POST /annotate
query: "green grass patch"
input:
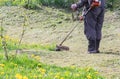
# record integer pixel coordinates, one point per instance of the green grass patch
(50, 47)
(12, 44)
(28, 67)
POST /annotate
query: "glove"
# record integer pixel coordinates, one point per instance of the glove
(74, 7)
(81, 18)
(95, 3)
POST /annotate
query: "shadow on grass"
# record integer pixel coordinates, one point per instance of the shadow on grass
(112, 53)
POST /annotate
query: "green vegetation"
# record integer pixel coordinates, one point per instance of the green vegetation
(58, 3)
(113, 4)
(35, 22)
(28, 67)
(12, 44)
(35, 3)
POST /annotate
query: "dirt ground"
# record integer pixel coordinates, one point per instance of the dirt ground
(50, 25)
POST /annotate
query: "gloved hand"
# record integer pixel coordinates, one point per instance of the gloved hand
(95, 3)
(81, 18)
(74, 7)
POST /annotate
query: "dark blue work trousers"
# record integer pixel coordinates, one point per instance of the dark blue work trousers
(93, 23)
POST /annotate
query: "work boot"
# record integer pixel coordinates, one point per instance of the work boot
(97, 45)
(91, 46)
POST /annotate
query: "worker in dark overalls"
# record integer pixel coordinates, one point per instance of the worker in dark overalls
(93, 22)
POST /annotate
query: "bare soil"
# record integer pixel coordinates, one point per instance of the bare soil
(50, 25)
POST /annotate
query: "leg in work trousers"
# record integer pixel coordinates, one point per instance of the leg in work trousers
(93, 28)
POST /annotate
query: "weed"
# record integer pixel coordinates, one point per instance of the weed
(25, 24)
(3, 41)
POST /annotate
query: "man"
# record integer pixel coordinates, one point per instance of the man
(93, 21)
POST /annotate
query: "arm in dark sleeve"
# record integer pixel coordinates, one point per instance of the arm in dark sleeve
(81, 3)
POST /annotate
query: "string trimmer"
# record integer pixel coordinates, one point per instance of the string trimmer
(60, 46)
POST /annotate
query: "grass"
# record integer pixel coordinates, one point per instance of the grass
(79, 50)
(38, 46)
(111, 63)
(29, 67)
(12, 44)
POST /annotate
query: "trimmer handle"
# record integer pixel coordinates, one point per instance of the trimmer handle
(75, 15)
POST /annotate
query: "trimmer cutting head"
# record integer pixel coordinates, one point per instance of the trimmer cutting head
(60, 48)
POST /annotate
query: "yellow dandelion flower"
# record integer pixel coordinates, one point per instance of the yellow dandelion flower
(96, 72)
(6, 37)
(77, 75)
(32, 55)
(18, 76)
(25, 77)
(61, 78)
(57, 76)
(88, 69)
(72, 67)
(67, 73)
(89, 76)
(15, 65)
(2, 73)
(2, 65)
(37, 57)
(43, 71)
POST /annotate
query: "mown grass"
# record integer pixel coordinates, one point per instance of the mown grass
(30, 67)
